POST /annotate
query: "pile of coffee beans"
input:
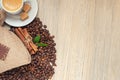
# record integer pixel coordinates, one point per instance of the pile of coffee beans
(43, 62)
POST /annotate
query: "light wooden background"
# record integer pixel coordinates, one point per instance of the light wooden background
(87, 33)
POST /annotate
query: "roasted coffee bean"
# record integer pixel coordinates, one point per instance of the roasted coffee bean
(43, 62)
(45, 26)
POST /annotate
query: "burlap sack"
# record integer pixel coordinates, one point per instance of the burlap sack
(17, 55)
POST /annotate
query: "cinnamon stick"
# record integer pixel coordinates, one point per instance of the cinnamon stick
(19, 35)
(23, 39)
(26, 39)
(30, 38)
(33, 46)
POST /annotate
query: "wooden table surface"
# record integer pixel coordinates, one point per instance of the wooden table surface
(87, 33)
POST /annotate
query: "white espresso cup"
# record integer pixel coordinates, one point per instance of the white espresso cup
(16, 11)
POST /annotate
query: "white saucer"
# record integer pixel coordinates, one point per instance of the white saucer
(14, 20)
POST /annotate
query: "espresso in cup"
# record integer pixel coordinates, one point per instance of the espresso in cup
(12, 5)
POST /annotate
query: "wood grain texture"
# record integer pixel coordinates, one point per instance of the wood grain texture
(87, 33)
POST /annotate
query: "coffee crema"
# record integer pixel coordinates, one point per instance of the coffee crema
(12, 5)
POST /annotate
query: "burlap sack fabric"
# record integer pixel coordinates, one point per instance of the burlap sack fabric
(17, 55)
